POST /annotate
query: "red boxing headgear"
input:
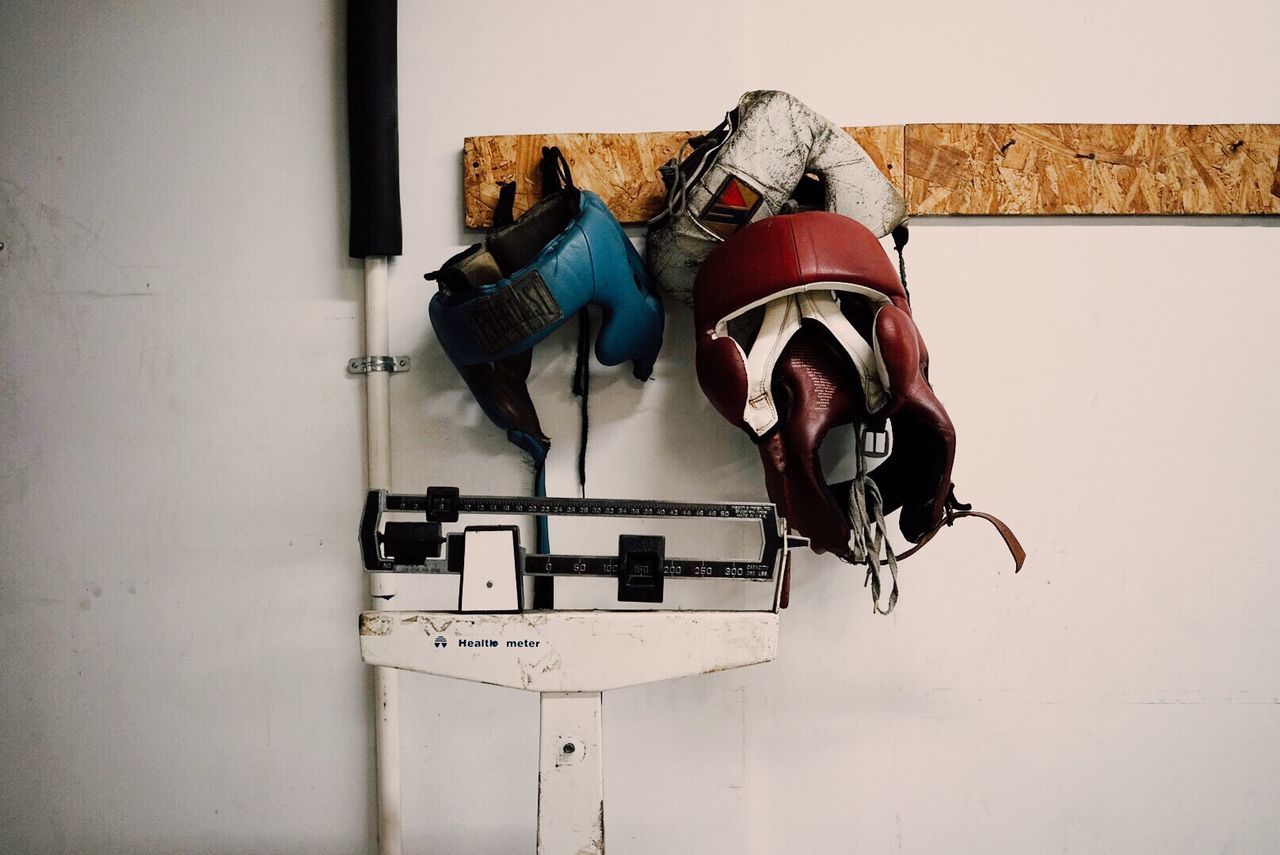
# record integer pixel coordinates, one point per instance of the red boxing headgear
(803, 325)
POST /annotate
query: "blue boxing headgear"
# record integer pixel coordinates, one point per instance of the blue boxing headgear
(502, 296)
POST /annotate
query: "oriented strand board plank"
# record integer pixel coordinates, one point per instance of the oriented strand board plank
(1093, 169)
(621, 168)
(885, 145)
(948, 169)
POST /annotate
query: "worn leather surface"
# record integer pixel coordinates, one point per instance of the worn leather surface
(768, 144)
(783, 252)
(588, 261)
(814, 400)
(816, 386)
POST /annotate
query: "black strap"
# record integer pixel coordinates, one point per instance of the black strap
(504, 211)
(900, 237)
(555, 171)
(544, 592)
(582, 388)
(555, 176)
(544, 587)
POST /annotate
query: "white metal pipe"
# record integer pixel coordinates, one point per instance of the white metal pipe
(378, 389)
(386, 687)
(386, 734)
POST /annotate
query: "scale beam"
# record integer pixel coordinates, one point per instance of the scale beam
(423, 547)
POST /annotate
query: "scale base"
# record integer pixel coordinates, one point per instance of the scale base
(570, 774)
(569, 657)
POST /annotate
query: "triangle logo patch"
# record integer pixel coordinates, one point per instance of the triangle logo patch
(732, 206)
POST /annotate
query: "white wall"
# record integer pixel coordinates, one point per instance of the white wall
(181, 453)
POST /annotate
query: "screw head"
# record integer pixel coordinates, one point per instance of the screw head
(569, 748)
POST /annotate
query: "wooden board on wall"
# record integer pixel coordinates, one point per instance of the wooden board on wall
(1093, 169)
(621, 168)
(972, 169)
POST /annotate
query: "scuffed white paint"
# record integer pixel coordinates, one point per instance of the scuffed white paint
(570, 774)
(568, 651)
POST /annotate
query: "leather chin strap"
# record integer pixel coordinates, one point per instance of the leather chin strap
(956, 510)
(783, 317)
(812, 402)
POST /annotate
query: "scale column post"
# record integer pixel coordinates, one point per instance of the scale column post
(570, 774)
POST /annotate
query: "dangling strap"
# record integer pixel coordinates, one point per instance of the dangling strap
(784, 598)
(543, 586)
(955, 510)
(555, 171)
(676, 189)
(582, 388)
(540, 521)
(537, 450)
(675, 178)
(867, 527)
(900, 237)
(555, 177)
(504, 211)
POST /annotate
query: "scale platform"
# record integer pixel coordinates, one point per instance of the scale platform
(568, 651)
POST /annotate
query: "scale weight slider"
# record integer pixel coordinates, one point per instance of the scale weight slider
(640, 568)
(490, 561)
